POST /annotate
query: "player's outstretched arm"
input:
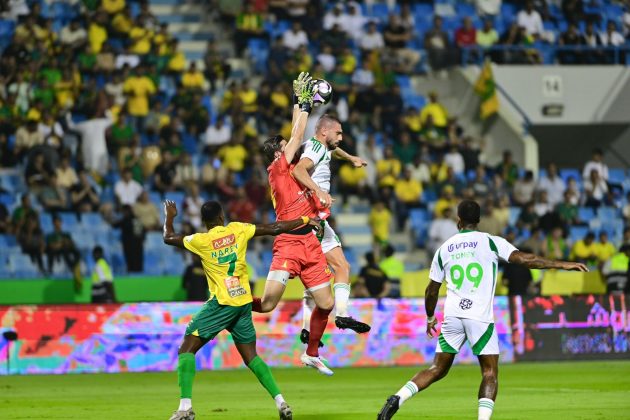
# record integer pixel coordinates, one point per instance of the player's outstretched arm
(274, 229)
(303, 89)
(168, 234)
(535, 261)
(430, 302)
(341, 154)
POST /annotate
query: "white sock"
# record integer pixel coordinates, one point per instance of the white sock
(342, 295)
(308, 304)
(279, 400)
(486, 405)
(407, 391)
(185, 404)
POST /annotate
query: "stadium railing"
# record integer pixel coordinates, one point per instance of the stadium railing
(549, 54)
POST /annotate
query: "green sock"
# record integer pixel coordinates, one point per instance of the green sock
(186, 374)
(264, 375)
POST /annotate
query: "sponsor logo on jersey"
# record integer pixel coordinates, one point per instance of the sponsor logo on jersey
(462, 245)
(465, 304)
(224, 242)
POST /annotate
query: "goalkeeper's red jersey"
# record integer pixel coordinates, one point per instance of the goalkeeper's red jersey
(290, 199)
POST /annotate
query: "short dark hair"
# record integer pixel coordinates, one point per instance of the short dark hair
(97, 251)
(210, 211)
(369, 257)
(469, 212)
(326, 120)
(388, 251)
(271, 146)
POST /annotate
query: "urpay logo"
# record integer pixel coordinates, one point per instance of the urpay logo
(462, 246)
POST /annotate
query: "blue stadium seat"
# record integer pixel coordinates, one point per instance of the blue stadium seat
(616, 175)
(45, 220)
(577, 232)
(154, 241)
(266, 258)
(8, 200)
(91, 219)
(152, 263)
(565, 174)
(465, 9)
(7, 27)
(586, 214)
(514, 213)
(177, 196)
(68, 220)
(608, 213)
(7, 241)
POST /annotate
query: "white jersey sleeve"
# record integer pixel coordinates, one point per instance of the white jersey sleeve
(437, 268)
(504, 248)
(319, 154)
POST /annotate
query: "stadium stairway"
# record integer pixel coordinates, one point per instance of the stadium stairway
(356, 237)
(188, 23)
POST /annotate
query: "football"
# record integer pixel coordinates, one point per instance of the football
(323, 92)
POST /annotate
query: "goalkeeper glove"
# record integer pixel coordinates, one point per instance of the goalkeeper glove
(305, 97)
(298, 85)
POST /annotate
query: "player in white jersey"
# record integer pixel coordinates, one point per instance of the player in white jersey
(468, 262)
(313, 172)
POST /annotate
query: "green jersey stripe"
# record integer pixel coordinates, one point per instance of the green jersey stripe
(446, 348)
(483, 340)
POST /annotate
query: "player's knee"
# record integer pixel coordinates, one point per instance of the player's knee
(342, 269)
(489, 375)
(439, 371)
(326, 304)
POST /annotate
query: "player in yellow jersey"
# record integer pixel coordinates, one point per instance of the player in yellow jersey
(222, 251)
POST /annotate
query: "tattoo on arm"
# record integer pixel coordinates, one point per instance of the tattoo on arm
(533, 261)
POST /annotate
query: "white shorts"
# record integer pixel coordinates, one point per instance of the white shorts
(482, 336)
(330, 240)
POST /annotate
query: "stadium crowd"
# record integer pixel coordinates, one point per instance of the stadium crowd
(102, 114)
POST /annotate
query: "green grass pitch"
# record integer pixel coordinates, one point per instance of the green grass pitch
(580, 390)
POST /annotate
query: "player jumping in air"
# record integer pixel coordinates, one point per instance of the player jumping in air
(468, 261)
(313, 172)
(297, 253)
(222, 251)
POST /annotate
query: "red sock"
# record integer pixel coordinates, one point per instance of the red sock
(319, 319)
(256, 305)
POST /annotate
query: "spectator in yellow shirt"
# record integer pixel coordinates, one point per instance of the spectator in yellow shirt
(97, 32)
(138, 87)
(439, 170)
(177, 62)
(352, 181)
(233, 155)
(388, 169)
(123, 22)
(193, 79)
(447, 200)
(408, 196)
(162, 37)
(249, 98)
(412, 121)
(141, 37)
(604, 250)
(379, 220)
(112, 6)
(584, 250)
(436, 110)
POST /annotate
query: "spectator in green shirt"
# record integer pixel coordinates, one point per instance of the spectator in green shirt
(508, 169)
(249, 24)
(23, 212)
(59, 244)
(567, 211)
